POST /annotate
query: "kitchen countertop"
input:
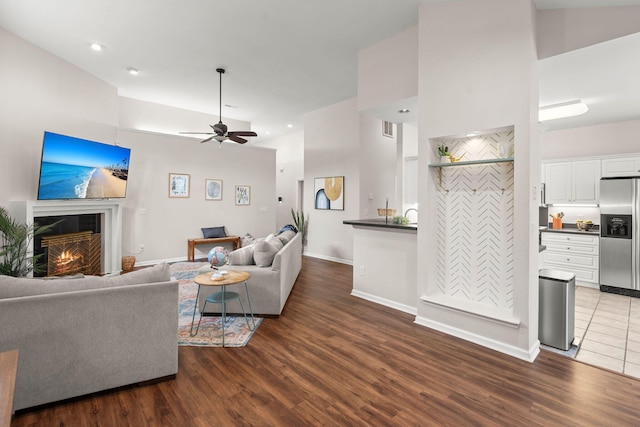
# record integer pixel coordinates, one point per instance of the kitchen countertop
(380, 223)
(572, 228)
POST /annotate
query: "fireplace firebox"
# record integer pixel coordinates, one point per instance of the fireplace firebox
(72, 246)
(73, 253)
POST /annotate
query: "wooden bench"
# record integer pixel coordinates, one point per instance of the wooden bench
(192, 243)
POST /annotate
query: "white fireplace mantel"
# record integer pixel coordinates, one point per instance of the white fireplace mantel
(111, 210)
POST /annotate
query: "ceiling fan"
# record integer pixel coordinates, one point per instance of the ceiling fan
(220, 132)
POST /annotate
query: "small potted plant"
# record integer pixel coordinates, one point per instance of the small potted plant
(402, 220)
(443, 152)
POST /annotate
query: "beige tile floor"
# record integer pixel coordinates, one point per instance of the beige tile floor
(607, 329)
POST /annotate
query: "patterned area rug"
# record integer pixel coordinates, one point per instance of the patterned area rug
(236, 331)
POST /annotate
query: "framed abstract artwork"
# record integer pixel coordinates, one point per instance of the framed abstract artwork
(213, 189)
(243, 195)
(179, 185)
(329, 193)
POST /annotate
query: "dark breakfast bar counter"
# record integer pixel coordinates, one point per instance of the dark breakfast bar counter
(380, 223)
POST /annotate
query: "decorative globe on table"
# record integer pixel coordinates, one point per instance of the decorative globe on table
(218, 256)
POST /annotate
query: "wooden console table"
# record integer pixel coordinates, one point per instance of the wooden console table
(192, 243)
(8, 368)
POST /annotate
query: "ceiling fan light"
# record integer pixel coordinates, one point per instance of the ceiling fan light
(562, 110)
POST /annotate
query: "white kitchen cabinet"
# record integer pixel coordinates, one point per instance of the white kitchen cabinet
(572, 252)
(557, 182)
(572, 182)
(621, 166)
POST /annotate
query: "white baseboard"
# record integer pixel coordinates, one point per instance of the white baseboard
(158, 261)
(588, 285)
(387, 303)
(528, 355)
(328, 258)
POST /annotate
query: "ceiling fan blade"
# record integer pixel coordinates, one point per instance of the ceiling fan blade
(237, 139)
(242, 133)
(208, 139)
(196, 133)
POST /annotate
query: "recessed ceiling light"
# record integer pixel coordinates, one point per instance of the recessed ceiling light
(562, 110)
(289, 126)
(97, 47)
(471, 134)
(133, 71)
(403, 111)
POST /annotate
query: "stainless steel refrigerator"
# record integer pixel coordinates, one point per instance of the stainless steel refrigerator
(619, 234)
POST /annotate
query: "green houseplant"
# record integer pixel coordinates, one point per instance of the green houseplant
(443, 153)
(301, 224)
(15, 245)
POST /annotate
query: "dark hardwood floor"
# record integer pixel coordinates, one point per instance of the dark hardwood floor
(333, 359)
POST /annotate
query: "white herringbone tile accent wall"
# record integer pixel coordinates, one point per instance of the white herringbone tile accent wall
(475, 224)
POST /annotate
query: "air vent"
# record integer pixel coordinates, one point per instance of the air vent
(387, 129)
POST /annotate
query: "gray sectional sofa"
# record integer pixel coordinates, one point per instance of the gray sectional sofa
(83, 335)
(273, 274)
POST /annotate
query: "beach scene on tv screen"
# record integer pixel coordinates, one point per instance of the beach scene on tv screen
(74, 168)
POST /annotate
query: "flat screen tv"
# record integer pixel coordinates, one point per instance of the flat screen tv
(74, 168)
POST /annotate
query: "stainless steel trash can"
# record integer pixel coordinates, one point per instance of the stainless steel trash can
(556, 308)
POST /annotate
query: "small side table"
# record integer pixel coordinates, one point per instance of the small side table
(232, 277)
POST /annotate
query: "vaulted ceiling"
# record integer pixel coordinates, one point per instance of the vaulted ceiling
(283, 57)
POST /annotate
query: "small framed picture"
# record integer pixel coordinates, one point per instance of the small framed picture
(179, 185)
(243, 195)
(213, 189)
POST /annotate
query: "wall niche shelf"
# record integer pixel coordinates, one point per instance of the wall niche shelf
(439, 166)
(470, 162)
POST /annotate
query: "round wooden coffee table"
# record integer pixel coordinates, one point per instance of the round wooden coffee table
(233, 277)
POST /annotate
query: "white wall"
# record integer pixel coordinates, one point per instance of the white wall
(377, 157)
(409, 140)
(388, 70)
(598, 140)
(38, 92)
(148, 116)
(409, 159)
(331, 148)
(289, 170)
(478, 75)
(563, 30)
